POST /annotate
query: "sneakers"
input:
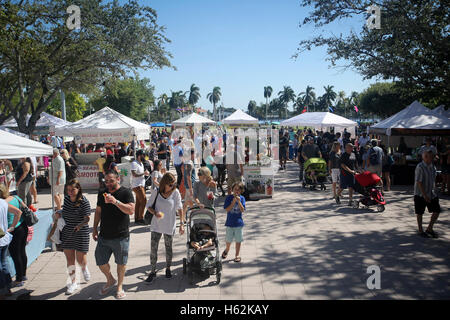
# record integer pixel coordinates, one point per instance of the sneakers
(71, 288)
(338, 200)
(86, 275)
(168, 273)
(151, 276)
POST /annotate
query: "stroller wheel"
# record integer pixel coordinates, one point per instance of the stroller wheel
(304, 185)
(184, 265)
(356, 204)
(218, 277)
(380, 208)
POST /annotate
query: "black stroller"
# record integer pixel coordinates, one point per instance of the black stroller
(201, 225)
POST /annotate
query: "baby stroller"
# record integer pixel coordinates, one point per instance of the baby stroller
(367, 184)
(318, 168)
(205, 261)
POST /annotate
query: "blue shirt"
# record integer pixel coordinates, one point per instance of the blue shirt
(234, 216)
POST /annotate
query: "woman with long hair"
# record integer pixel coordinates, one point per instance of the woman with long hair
(157, 174)
(19, 232)
(70, 164)
(75, 234)
(24, 179)
(334, 165)
(110, 164)
(164, 204)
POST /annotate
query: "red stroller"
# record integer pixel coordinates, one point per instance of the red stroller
(368, 185)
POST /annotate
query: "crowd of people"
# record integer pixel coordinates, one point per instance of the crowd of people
(196, 183)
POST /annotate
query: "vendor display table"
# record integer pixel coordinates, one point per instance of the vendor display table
(259, 181)
(39, 241)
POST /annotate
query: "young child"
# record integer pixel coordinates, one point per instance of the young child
(235, 206)
(203, 239)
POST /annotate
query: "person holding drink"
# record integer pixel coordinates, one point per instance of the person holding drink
(164, 204)
(205, 189)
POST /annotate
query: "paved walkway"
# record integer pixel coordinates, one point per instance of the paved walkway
(298, 245)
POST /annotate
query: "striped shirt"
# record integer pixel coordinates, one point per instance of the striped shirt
(73, 215)
(427, 175)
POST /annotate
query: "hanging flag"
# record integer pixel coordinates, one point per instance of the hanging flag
(304, 110)
(356, 109)
(331, 109)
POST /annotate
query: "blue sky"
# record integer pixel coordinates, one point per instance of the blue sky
(242, 46)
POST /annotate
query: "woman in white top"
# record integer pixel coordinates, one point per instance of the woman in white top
(5, 276)
(157, 174)
(164, 204)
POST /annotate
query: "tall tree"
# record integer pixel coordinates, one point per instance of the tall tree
(308, 96)
(329, 96)
(194, 96)
(214, 98)
(76, 106)
(176, 102)
(411, 47)
(251, 108)
(39, 54)
(129, 96)
(286, 95)
(267, 94)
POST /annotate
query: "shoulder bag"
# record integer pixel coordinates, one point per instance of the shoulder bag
(29, 217)
(148, 216)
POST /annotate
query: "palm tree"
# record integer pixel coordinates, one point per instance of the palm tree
(286, 95)
(329, 96)
(267, 93)
(309, 97)
(214, 98)
(176, 101)
(341, 102)
(251, 108)
(275, 106)
(194, 96)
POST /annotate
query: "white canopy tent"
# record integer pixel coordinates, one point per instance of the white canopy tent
(320, 121)
(192, 119)
(415, 119)
(240, 117)
(441, 111)
(15, 147)
(105, 126)
(45, 123)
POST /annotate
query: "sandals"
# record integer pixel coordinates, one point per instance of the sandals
(432, 234)
(237, 259)
(105, 289)
(120, 295)
(224, 255)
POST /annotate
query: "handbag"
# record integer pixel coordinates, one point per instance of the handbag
(29, 217)
(148, 216)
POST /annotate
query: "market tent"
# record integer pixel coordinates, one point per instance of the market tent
(158, 125)
(413, 120)
(17, 133)
(240, 117)
(45, 121)
(105, 126)
(320, 121)
(441, 111)
(192, 119)
(14, 147)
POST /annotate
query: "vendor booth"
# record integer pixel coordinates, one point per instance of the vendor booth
(15, 147)
(104, 126)
(240, 118)
(191, 120)
(45, 125)
(412, 123)
(321, 121)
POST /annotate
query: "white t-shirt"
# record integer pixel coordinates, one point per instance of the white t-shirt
(34, 164)
(137, 181)
(169, 206)
(158, 175)
(177, 160)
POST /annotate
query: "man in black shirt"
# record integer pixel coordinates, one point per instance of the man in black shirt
(284, 146)
(162, 153)
(114, 208)
(347, 178)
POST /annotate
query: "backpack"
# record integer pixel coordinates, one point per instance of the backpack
(373, 157)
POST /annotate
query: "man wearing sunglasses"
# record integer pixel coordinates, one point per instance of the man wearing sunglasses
(115, 205)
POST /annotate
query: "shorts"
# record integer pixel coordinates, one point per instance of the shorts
(335, 175)
(347, 181)
(59, 189)
(387, 168)
(376, 169)
(235, 234)
(283, 154)
(420, 204)
(105, 247)
(233, 180)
